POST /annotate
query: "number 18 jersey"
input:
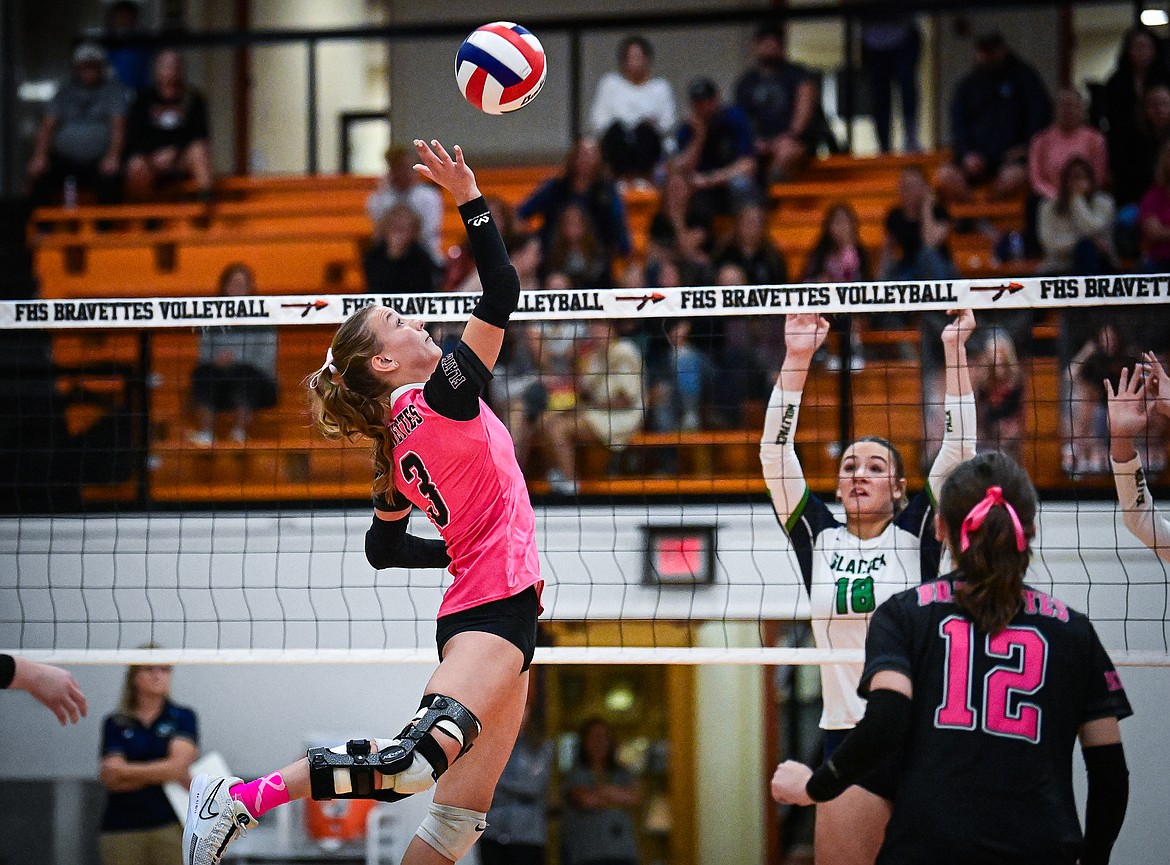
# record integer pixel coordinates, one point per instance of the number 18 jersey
(455, 461)
(847, 578)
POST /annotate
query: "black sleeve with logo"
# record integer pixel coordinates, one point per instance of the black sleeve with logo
(457, 383)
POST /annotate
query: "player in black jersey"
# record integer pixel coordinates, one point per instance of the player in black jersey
(987, 683)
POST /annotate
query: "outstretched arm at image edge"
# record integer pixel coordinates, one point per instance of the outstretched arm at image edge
(1137, 507)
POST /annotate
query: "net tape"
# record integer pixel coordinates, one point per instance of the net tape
(869, 297)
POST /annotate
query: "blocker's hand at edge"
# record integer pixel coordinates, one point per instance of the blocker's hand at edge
(788, 783)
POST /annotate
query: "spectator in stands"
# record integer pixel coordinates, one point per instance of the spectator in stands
(237, 368)
(81, 135)
(890, 48)
(679, 381)
(754, 347)
(577, 251)
(608, 406)
(517, 392)
(633, 113)
(1152, 133)
(1103, 356)
(585, 184)
(597, 828)
(1155, 216)
(131, 63)
(917, 230)
(679, 231)
(1076, 226)
(1153, 331)
(998, 381)
(780, 99)
(1140, 65)
(839, 256)
(149, 741)
(460, 264)
(397, 262)
(403, 185)
(995, 111)
(716, 154)
(752, 249)
(1067, 138)
(167, 133)
(517, 831)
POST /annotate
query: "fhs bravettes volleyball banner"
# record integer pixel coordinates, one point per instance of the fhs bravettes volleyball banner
(1019, 292)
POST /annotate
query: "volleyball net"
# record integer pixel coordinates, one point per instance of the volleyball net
(163, 483)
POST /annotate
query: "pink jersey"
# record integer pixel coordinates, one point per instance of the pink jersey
(464, 475)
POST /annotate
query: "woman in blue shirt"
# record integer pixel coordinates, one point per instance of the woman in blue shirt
(148, 742)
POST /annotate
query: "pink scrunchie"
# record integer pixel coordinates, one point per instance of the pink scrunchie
(978, 514)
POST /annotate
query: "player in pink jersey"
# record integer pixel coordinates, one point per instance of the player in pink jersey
(436, 446)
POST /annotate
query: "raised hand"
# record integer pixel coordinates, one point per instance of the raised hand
(1127, 405)
(804, 333)
(960, 329)
(452, 174)
(1157, 383)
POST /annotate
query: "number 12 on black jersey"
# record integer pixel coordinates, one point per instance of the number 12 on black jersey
(1024, 651)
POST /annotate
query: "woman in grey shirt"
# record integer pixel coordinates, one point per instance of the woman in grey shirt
(517, 832)
(237, 368)
(597, 828)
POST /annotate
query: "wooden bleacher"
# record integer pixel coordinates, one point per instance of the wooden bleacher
(305, 235)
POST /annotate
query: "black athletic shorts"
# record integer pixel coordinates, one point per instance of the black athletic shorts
(512, 618)
(882, 781)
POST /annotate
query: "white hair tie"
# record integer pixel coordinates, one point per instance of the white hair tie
(327, 366)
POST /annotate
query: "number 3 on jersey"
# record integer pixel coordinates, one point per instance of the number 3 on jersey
(414, 470)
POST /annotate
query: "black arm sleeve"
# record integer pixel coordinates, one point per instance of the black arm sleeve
(1107, 801)
(389, 546)
(454, 388)
(7, 670)
(501, 285)
(885, 727)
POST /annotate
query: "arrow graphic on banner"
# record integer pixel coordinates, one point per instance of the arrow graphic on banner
(1000, 290)
(307, 307)
(643, 299)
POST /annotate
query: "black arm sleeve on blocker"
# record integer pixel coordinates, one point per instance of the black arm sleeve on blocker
(389, 546)
(7, 670)
(1107, 800)
(883, 729)
(501, 285)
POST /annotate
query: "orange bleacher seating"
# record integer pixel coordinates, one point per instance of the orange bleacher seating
(305, 235)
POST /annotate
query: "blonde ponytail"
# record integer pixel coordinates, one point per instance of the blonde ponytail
(349, 401)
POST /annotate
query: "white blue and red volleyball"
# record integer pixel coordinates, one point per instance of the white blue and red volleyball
(500, 67)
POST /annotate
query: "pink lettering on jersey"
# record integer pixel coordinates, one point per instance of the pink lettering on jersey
(1113, 681)
(936, 592)
(1039, 603)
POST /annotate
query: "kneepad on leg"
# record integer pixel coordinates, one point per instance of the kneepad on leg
(452, 831)
(411, 763)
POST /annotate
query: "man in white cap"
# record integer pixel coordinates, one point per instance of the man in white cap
(80, 139)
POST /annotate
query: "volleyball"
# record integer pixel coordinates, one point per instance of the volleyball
(500, 67)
